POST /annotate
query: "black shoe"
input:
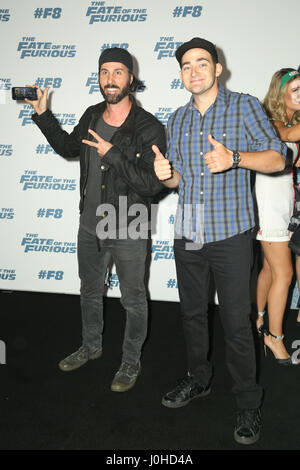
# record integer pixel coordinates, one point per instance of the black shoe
(282, 362)
(186, 390)
(247, 430)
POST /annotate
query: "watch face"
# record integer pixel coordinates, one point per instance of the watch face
(236, 158)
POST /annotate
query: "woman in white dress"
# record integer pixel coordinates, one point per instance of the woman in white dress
(275, 201)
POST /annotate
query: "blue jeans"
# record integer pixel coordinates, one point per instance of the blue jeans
(129, 257)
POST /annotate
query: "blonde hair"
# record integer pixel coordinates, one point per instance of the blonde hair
(274, 100)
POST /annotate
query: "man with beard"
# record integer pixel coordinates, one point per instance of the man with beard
(113, 140)
(213, 142)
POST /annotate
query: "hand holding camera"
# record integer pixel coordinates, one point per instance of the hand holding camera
(32, 95)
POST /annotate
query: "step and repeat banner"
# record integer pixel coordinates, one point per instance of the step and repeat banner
(57, 44)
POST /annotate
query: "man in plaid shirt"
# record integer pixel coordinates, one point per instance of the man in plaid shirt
(213, 142)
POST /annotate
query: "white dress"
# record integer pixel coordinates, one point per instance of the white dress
(275, 196)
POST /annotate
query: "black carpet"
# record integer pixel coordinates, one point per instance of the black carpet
(42, 408)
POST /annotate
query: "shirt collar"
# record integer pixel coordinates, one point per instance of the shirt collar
(222, 98)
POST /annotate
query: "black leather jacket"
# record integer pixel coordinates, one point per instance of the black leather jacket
(127, 167)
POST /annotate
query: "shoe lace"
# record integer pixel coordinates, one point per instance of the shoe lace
(127, 369)
(248, 419)
(79, 353)
(183, 383)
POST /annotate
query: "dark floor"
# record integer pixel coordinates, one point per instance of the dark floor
(43, 408)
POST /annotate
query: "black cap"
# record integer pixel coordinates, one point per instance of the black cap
(116, 54)
(196, 43)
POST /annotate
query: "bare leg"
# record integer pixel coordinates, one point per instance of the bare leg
(278, 256)
(264, 281)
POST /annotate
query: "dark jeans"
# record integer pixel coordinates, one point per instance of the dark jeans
(129, 257)
(230, 262)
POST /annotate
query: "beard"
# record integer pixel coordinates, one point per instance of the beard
(118, 97)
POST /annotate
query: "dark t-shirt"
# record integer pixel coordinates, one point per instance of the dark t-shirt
(92, 197)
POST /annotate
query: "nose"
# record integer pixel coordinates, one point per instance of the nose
(109, 77)
(195, 70)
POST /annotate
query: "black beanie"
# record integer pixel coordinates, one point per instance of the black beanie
(116, 54)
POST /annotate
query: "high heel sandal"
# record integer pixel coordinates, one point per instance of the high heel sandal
(281, 362)
(260, 329)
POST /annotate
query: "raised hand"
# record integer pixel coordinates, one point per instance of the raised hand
(101, 145)
(220, 158)
(39, 105)
(162, 166)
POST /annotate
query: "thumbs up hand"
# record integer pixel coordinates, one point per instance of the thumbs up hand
(162, 166)
(220, 158)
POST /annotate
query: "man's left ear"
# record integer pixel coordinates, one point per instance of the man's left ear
(219, 69)
(131, 78)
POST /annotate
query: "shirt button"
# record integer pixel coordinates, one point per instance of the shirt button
(102, 167)
(138, 155)
(201, 153)
(202, 174)
(224, 135)
(103, 186)
(201, 133)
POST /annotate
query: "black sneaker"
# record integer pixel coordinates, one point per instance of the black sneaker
(186, 390)
(247, 430)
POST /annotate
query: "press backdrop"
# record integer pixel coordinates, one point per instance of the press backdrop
(57, 43)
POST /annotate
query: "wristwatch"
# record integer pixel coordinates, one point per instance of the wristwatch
(236, 158)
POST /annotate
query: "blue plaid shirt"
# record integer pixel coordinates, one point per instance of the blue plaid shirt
(216, 206)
